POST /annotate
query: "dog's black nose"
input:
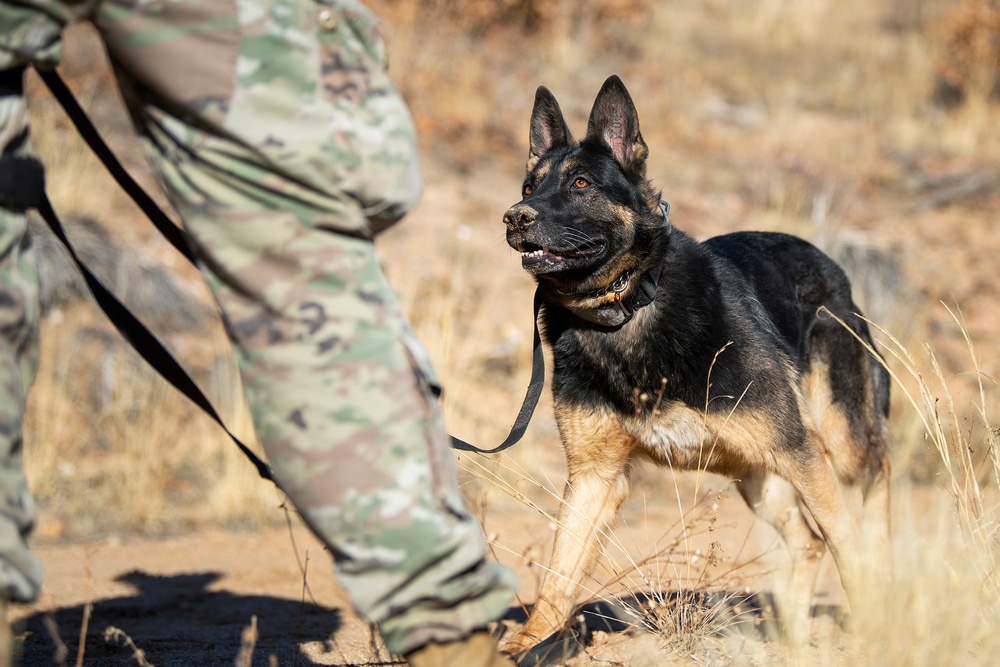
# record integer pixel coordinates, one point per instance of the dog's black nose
(520, 217)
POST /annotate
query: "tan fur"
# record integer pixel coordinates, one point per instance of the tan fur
(854, 462)
(533, 161)
(601, 446)
(598, 458)
(608, 273)
(848, 459)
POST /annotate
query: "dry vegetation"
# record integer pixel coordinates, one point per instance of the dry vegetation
(869, 127)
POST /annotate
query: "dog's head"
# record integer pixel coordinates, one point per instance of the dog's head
(587, 214)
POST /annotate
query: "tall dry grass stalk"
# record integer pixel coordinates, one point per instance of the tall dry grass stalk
(942, 602)
(938, 601)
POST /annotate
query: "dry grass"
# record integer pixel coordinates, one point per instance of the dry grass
(942, 606)
(814, 117)
(113, 635)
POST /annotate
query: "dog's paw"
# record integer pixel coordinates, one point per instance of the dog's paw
(519, 644)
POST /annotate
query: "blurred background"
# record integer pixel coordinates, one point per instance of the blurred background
(870, 127)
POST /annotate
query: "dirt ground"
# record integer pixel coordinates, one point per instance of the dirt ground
(187, 600)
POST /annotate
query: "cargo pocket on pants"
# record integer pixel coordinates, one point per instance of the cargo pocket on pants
(443, 472)
(372, 135)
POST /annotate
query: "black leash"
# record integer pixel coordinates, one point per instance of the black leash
(144, 341)
(147, 344)
(530, 397)
(171, 232)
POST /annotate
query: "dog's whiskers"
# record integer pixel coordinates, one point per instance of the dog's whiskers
(578, 238)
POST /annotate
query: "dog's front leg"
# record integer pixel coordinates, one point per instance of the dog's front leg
(598, 457)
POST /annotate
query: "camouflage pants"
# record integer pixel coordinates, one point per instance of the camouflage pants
(285, 148)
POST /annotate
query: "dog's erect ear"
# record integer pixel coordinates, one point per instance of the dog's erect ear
(614, 122)
(548, 128)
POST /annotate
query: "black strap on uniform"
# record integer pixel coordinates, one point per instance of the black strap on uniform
(146, 343)
(22, 178)
(22, 182)
(128, 325)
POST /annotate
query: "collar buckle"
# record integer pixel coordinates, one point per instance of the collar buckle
(620, 285)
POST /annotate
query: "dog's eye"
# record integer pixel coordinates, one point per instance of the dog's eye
(526, 189)
(581, 183)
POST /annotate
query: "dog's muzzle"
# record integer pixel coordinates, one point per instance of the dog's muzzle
(519, 217)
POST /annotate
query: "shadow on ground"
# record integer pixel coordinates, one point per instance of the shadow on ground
(175, 621)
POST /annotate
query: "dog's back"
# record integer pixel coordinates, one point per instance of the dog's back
(801, 291)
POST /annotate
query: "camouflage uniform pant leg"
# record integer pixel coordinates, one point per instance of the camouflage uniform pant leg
(29, 34)
(284, 158)
(20, 571)
(343, 401)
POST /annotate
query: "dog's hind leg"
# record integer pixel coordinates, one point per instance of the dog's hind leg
(847, 391)
(598, 456)
(876, 525)
(813, 476)
(775, 500)
(876, 479)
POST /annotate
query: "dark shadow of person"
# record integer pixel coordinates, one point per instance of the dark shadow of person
(176, 621)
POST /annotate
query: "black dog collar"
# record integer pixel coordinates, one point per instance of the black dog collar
(621, 309)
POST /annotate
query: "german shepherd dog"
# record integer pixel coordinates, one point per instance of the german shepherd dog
(718, 355)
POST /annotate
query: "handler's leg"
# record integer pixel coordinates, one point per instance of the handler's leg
(29, 34)
(20, 571)
(285, 148)
(25, 35)
(343, 405)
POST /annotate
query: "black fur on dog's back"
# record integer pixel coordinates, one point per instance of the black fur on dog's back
(793, 280)
(732, 312)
